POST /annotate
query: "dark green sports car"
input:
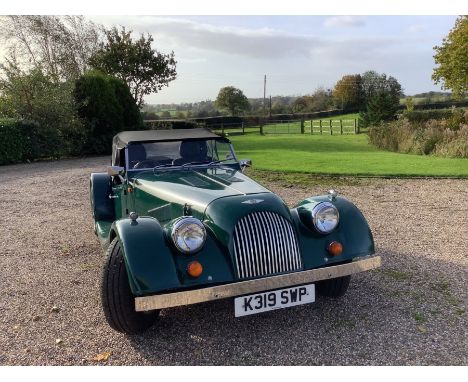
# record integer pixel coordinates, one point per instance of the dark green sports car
(182, 224)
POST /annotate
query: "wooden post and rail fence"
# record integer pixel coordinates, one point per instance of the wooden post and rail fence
(297, 126)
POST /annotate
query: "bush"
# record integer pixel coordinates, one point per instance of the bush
(18, 141)
(167, 125)
(444, 137)
(419, 116)
(36, 96)
(106, 107)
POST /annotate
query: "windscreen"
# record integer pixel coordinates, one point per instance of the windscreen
(178, 153)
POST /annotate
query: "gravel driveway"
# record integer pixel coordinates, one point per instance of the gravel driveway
(412, 311)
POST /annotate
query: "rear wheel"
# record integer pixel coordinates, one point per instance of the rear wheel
(118, 302)
(333, 287)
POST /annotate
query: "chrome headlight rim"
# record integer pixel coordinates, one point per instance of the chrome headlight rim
(315, 213)
(181, 223)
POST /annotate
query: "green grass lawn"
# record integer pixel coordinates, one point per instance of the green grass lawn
(339, 154)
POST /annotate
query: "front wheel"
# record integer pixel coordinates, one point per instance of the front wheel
(118, 302)
(333, 287)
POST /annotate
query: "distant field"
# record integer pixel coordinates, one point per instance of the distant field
(339, 154)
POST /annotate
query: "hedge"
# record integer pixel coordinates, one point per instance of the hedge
(420, 116)
(18, 141)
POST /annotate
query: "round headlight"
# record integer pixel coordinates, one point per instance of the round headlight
(188, 235)
(325, 217)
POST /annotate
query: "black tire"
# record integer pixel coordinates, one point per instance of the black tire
(333, 287)
(118, 302)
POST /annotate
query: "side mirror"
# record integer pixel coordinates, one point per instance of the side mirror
(245, 163)
(115, 170)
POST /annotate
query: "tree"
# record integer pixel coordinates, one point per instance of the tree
(60, 45)
(232, 100)
(381, 95)
(452, 59)
(144, 69)
(106, 107)
(381, 107)
(320, 100)
(374, 83)
(34, 96)
(348, 92)
(300, 105)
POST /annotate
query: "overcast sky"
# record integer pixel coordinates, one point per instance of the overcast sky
(297, 53)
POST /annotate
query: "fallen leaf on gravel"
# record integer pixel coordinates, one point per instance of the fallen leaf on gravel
(197, 338)
(58, 341)
(422, 329)
(55, 309)
(104, 356)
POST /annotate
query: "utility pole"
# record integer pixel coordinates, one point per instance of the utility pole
(264, 95)
(270, 107)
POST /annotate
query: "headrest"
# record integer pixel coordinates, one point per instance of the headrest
(193, 149)
(137, 152)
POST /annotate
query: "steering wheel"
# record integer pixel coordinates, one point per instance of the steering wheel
(148, 163)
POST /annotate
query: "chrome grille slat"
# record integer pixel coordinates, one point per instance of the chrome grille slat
(277, 243)
(259, 232)
(268, 238)
(265, 244)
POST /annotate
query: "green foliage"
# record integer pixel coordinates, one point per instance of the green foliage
(232, 100)
(419, 116)
(409, 104)
(381, 107)
(348, 92)
(17, 141)
(106, 107)
(35, 96)
(142, 68)
(452, 59)
(443, 137)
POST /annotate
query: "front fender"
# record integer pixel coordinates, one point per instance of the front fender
(352, 232)
(149, 261)
(153, 265)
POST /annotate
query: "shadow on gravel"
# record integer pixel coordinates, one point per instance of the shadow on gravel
(389, 316)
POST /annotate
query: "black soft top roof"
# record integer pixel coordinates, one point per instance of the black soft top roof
(123, 138)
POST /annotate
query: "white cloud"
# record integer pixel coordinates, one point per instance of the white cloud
(344, 21)
(184, 36)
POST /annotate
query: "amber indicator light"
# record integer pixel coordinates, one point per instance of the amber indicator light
(194, 269)
(335, 248)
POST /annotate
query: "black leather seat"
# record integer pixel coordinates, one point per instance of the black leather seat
(136, 154)
(191, 151)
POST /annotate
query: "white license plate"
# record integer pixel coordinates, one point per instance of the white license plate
(271, 300)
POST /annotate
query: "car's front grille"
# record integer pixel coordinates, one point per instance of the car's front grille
(265, 244)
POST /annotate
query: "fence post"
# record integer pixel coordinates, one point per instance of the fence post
(331, 128)
(243, 129)
(311, 127)
(341, 126)
(222, 128)
(261, 129)
(320, 127)
(355, 130)
(357, 124)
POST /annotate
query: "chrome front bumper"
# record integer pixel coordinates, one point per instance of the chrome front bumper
(169, 300)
